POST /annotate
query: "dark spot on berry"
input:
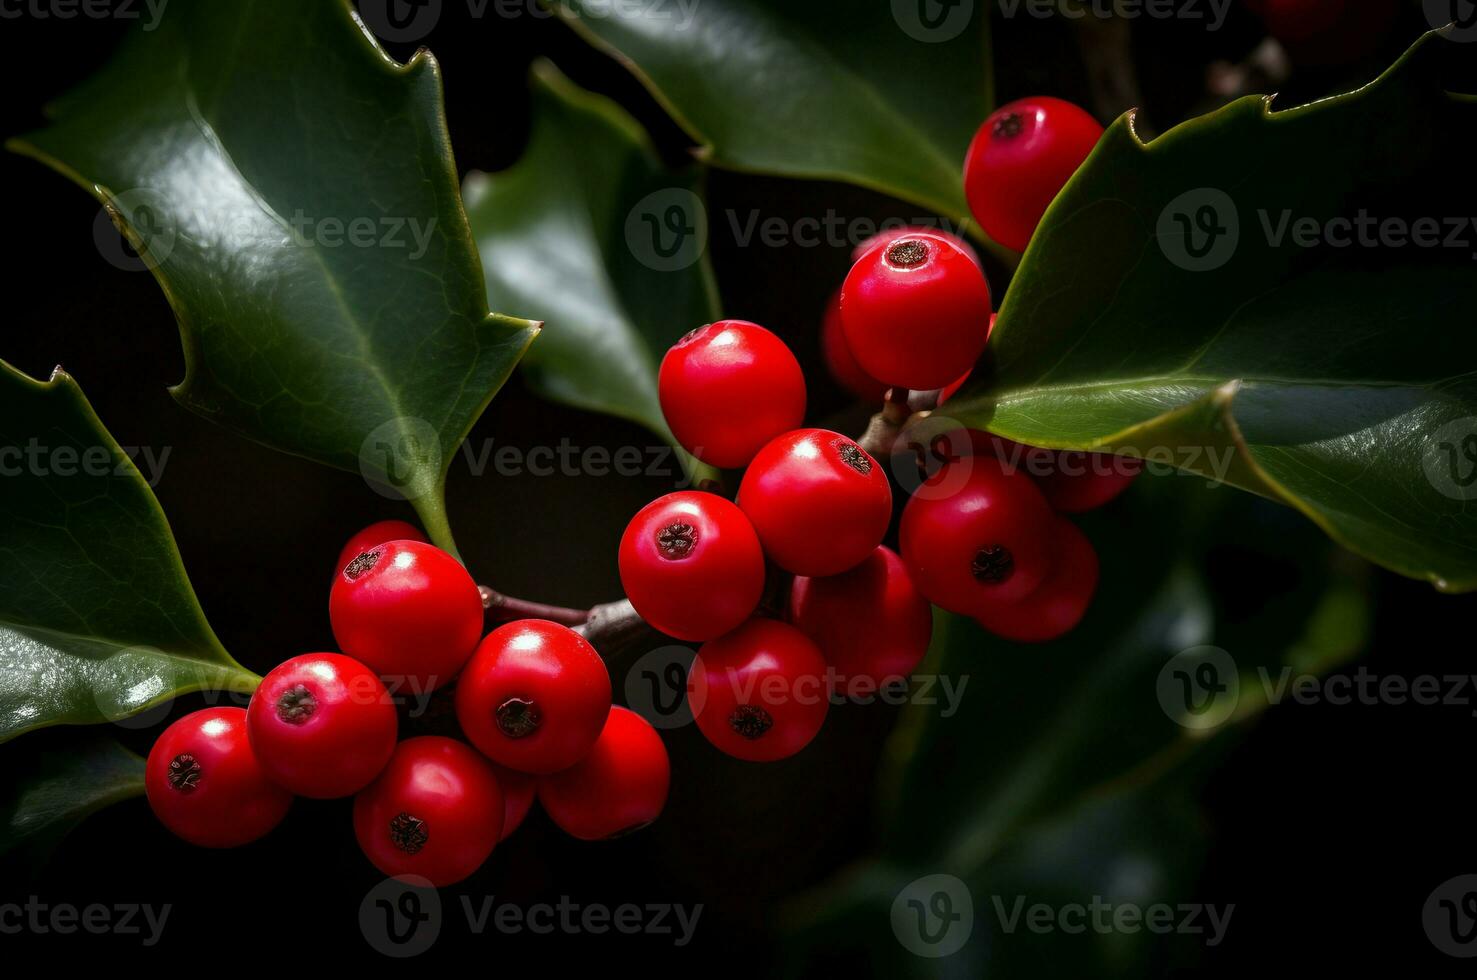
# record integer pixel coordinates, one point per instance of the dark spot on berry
(184, 772)
(691, 335)
(1008, 126)
(907, 253)
(409, 833)
(518, 717)
(297, 705)
(676, 541)
(362, 564)
(853, 455)
(993, 565)
(750, 721)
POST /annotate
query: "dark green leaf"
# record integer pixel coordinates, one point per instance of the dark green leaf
(294, 191)
(97, 618)
(58, 789)
(884, 95)
(562, 233)
(1333, 377)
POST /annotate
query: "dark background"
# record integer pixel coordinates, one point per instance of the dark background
(1329, 824)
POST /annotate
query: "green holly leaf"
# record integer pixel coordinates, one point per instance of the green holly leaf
(883, 95)
(1210, 300)
(60, 787)
(581, 229)
(293, 191)
(98, 621)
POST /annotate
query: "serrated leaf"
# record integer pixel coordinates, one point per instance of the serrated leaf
(294, 192)
(562, 233)
(1160, 310)
(98, 621)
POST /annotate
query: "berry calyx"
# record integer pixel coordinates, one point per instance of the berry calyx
(759, 693)
(819, 503)
(620, 787)
(205, 783)
(408, 610)
(322, 725)
(915, 311)
(534, 696)
(1058, 604)
(976, 532)
(436, 811)
(692, 566)
(728, 388)
(893, 234)
(871, 623)
(1020, 159)
(376, 534)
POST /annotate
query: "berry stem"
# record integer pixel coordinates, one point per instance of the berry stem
(614, 627)
(886, 425)
(504, 608)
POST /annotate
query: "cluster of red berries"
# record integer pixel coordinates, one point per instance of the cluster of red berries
(532, 697)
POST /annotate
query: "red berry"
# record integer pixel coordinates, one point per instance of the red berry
(841, 362)
(916, 312)
(692, 566)
(1320, 33)
(204, 783)
(1079, 482)
(728, 388)
(322, 725)
(534, 696)
(519, 789)
(1058, 603)
(975, 532)
(376, 534)
(819, 502)
(620, 787)
(1019, 161)
(893, 234)
(871, 623)
(759, 693)
(408, 610)
(436, 812)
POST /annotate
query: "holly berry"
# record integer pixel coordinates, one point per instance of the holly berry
(916, 311)
(871, 623)
(376, 534)
(839, 359)
(692, 566)
(818, 501)
(759, 693)
(975, 532)
(728, 388)
(435, 812)
(620, 787)
(205, 784)
(408, 610)
(519, 789)
(322, 725)
(1319, 33)
(1080, 482)
(1058, 604)
(1020, 159)
(534, 696)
